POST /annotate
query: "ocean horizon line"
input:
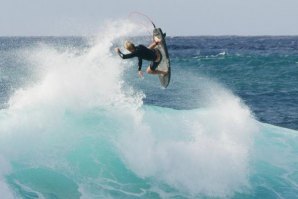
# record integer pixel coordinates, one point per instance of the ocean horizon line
(170, 36)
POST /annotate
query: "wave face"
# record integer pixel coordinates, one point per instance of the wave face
(79, 129)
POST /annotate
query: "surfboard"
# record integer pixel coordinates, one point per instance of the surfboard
(164, 64)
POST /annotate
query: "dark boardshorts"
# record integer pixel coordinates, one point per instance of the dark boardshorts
(154, 65)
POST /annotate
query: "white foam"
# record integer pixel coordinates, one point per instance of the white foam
(5, 168)
(5, 191)
(198, 152)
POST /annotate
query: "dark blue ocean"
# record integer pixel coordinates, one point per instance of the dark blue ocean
(77, 122)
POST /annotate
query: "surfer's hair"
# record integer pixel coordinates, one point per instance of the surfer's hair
(129, 46)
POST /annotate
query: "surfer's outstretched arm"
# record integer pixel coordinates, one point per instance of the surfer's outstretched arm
(125, 56)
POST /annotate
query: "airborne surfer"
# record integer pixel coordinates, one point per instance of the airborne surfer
(147, 53)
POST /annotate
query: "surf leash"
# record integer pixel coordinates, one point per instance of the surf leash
(141, 14)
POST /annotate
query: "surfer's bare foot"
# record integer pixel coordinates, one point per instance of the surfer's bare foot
(164, 73)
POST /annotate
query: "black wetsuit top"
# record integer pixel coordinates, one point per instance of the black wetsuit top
(142, 52)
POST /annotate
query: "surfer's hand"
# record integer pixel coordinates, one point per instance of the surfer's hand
(157, 40)
(140, 73)
(117, 50)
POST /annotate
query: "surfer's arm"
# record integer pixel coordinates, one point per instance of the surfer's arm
(140, 64)
(155, 43)
(140, 73)
(125, 56)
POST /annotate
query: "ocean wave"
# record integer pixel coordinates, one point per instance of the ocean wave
(79, 132)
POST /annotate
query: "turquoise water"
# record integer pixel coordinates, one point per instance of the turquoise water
(76, 122)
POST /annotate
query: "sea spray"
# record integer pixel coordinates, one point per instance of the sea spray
(37, 130)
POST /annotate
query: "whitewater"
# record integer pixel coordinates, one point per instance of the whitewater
(79, 129)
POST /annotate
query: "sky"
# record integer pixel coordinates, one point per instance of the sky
(176, 17)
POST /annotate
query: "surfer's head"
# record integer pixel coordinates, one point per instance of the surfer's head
(129, 46)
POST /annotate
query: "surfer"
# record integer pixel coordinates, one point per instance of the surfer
(146, 53)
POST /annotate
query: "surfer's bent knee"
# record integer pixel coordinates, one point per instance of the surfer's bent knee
(149, 70)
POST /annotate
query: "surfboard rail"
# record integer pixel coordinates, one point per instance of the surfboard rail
(164, 64)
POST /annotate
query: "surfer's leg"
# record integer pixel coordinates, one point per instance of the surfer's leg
(155, 72)
(152, 69)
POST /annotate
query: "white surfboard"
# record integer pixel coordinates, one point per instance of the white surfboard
(164, 64)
